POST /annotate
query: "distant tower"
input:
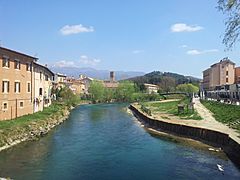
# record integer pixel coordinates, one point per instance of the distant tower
(112, 76)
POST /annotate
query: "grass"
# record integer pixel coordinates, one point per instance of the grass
(26, 119)
(19, 128)
(225, 113)
(171, 107)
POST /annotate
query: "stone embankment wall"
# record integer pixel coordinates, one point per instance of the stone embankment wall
(32, 130)
(220, 139)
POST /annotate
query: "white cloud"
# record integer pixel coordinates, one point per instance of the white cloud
(182, 27)
(75, 29)
(183, 46)
(137, 51)
(197, 52)
(89, 61)
(64, 63)
(79, 63)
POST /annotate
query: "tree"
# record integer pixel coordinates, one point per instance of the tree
(125, 91)
(66, 95)
(187, 88)
(167, 84)
(231, 8)
(97, 91)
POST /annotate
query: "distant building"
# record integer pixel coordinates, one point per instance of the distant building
(111, 84)
(151, 88)
(221, 73)
(60, 80)
(86, 81)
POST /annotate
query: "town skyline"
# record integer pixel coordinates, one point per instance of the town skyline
(128, 36)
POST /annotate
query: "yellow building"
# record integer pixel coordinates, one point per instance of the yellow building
(16, 84)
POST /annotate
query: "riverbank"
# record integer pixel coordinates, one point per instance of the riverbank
(33, 126)
(191, 129)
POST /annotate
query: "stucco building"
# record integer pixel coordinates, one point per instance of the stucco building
(221, 73)
(151, 88)
(16, 84)
(43, 78)
(25, 85)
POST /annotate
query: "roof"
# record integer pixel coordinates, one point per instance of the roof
(59, 74)
(2, 48)
(108, 84)
(45, 67)
(224, 61)
(152, 85)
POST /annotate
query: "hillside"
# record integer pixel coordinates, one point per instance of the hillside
(157, 77)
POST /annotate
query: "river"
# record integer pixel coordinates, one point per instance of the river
(105, 142)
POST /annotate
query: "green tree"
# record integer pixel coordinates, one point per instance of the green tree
(231, 8)
(125, 91)
(66, 95)
(97, 91)
(167, 84)
(187, 88)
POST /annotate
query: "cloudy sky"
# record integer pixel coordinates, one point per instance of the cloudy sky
(136, 35)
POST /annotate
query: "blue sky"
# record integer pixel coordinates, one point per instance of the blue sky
(131, 35)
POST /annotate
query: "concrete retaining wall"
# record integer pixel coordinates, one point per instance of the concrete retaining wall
(230, 147)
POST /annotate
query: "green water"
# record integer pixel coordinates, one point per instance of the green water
(104, 142)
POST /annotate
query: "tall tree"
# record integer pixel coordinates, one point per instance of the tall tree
(97, 91)
(125, 91)
(167, 84)
(187, 88)
(231, 8)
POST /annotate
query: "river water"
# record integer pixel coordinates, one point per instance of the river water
(105, 142)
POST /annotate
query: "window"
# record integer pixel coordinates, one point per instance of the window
(226, 80)
(226, 73)
(28, 67)
(40, 75)
(5, 106)
(28, 87)
(6, 62)
(40, 91)
(17, 87)
(17, 64)
(46, 77)
(21, 104)
(5, 86)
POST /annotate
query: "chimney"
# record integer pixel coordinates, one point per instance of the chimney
(112, 76)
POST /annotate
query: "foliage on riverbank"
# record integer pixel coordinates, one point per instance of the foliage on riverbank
(125, 92)
(171, 107)
(225, 113)
(34, 125)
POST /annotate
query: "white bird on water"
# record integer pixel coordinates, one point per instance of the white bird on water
(220, 167)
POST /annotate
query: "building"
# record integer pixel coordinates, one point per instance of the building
(112, 83)
(76, 85)
(237, 75)
(17, 84)
(222, 82)
(43, 78)
(86, 81)
(60, 80)
(219, 74)
(151, 88)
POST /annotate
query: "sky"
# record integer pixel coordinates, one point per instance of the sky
(131, 35)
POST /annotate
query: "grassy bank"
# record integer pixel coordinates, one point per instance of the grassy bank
(225, 113)
(32, 125)
(171, 107)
